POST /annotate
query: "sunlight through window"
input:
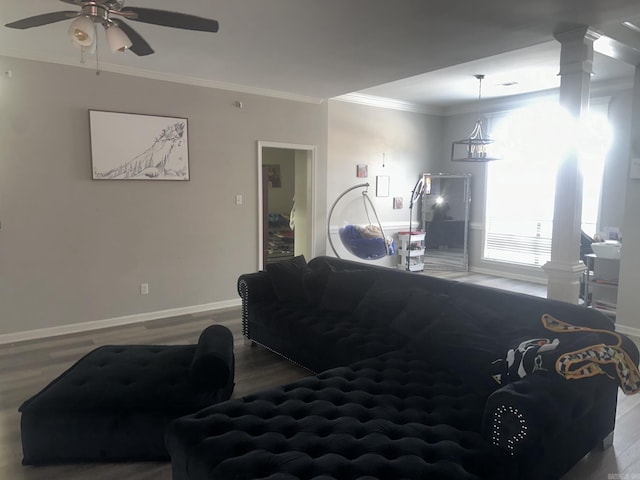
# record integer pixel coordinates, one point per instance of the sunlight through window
(521, 187)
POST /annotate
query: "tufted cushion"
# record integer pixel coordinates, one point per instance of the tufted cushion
(121, 377)
(114, 404)
(322, 339)
(381, 303)
(388, 418)
(463, 345)
(420, 309)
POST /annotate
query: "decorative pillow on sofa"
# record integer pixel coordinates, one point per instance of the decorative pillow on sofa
(421, 308)
(286, 278)
(315, 280)
(345, 289)
(576, 352)
(381, 303)
(462, 345)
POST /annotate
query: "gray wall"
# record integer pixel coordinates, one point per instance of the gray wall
(74, 250)
(628, 298)
(360, 134)
(614, 181)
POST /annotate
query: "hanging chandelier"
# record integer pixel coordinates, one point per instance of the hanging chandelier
(474, 147)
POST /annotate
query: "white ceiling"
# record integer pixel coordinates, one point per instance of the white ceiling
(421, 51)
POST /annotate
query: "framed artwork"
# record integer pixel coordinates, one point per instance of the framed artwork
(397, 203)
(130, 146)
(362, 170)
(274, 175)
(382, 186)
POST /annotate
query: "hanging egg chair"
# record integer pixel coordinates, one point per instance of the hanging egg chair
(366, 241)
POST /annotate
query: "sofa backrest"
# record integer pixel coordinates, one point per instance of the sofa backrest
(523, 312)
(396, 277)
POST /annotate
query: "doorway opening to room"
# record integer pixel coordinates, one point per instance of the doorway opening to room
(285, 196)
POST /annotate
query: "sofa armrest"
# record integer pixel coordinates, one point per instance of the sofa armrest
(213, 362)
(253, 288)
(533, 411)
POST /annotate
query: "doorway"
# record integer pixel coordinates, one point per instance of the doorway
(285, 195)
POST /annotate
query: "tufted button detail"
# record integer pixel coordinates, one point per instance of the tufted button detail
(376, 419)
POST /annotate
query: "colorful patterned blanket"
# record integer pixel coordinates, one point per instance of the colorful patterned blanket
(581, 353)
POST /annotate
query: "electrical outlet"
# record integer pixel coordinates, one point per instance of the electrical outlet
(238, 199)
(144, 289)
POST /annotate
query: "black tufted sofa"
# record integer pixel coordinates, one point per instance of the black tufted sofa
(406, 387)
(114, 403)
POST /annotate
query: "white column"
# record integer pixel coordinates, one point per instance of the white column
(565, 269)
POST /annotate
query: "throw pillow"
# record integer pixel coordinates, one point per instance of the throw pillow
(381, 303)
(315, 280)
(345, 289)
(286, 278)
(420, 310)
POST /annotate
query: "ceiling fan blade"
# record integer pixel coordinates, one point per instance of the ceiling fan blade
(170, 19)
(72, 2)
(139, 45)
(43, 19)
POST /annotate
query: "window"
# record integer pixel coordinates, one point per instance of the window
(521, 186)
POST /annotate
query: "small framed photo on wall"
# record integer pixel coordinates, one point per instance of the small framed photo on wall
(397, 203)
(362, 170)
(273, 171)
(382, 186)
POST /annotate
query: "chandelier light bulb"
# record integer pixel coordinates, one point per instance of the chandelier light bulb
(82, 31)
(118, 40)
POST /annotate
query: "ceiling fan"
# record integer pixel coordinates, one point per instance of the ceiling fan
(120, 36)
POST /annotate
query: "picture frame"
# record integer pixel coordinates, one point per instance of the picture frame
(132, 146)
(362, 170)
(382, 186)
(274, 176)
(397, 203)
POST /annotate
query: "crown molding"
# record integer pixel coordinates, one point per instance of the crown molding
(152, 75)
(390, 103)
(603, 89)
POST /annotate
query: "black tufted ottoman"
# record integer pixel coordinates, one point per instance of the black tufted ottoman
(114, 404)
(391, 417)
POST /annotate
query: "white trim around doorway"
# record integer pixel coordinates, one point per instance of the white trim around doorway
(311, 151)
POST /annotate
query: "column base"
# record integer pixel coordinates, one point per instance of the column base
(564, 280)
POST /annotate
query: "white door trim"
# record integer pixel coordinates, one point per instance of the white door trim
(311, 165)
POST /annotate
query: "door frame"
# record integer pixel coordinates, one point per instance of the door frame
(311, 156)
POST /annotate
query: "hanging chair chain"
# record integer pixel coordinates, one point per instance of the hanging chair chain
(366, 207)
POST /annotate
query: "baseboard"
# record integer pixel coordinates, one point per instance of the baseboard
(513, 276)
(631, 331)
(113, 322)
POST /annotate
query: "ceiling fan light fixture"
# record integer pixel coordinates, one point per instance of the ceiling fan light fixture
(118, 40)
(474, 147)
(82, 31)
